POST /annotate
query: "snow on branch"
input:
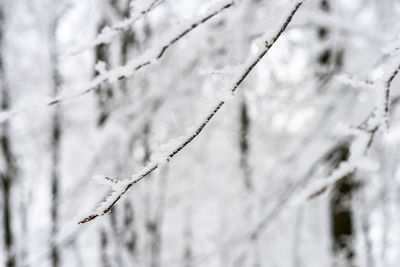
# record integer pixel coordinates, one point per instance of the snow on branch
(363, 135)
(299, 193)
(383, 100)
(347, 79)
(171, 150)
(108, 33)
(357, 161)
(102, 179)
(363, 138)
(380, 115)
(150, 57)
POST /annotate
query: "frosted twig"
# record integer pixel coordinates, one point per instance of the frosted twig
(109, 32)
(102, 179)
(355, 82)
(124, 71)
(387, 94)
(370, 125)
(374, 120)
(312, 189)
(288, 199)
(117, 194)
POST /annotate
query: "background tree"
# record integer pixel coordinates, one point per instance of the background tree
(9, 169)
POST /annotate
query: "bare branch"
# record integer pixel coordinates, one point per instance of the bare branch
(117, 194)
(387, 95)
(120, 72)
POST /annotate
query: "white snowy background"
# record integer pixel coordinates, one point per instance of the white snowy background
(255, 187)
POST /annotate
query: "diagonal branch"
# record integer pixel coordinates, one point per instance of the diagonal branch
(387, 94)
(108, 33)
(120, 189)
(148, 58)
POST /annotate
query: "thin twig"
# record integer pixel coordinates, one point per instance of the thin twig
(153, 166)
(387, 95)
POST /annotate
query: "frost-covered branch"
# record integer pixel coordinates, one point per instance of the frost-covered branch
(352, 81)
(149, 57)
(363, 138)
(108, 33)
(300, 192)
(364, 134)
(380, 115)
(172, 149)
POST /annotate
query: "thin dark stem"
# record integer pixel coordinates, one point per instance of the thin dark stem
(387, 94)
(149, 169)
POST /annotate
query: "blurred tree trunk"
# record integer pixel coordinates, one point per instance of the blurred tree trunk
(152, 219)
(154, 195)
(329, 60)
(130, 234)
(244, 145)
(157, 221)
(249, 256)
(128, 42)
(104, 92)
(104, 95)
(188, 239)
(124, 235)
(104, 249)
(55, 139)
(341, 212)
(8, 172)
(153, 226)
